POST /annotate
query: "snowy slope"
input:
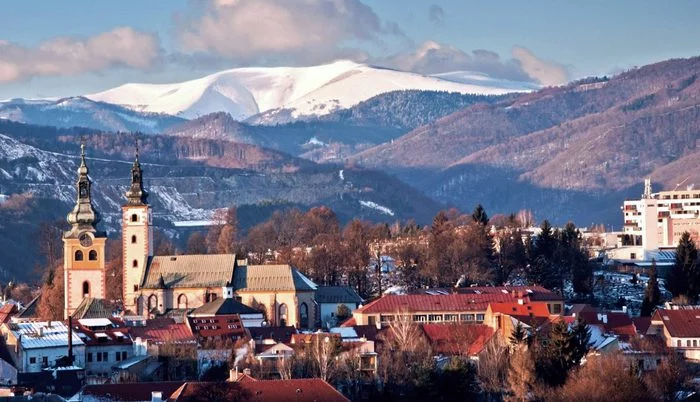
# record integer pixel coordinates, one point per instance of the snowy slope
(304, 91)
(83, 112)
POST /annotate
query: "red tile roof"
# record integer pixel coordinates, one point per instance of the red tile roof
(113, 333)
(684, 323)
(452, 339)
(131, 392)
(219, 326)
(300, 390)
(7, 311)
(349, 322)
(534, 293)
(433, 303)
(534, 309)
(642, 324)
(619, 324)
(160, 330)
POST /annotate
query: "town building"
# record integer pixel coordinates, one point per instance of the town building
(35, 346)
(223, 318)
(107, 343)
(468, 305)
(329, 298)
(658, 220)
(679, 328)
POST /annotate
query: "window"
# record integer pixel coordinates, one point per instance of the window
(152, 302)
(480, 317)
(136, 288)
(86, 289)
(45, 360)
(92, 255)
(117, 356)
(78, 255)
(134, 218)
(283, 315)
(123, 354)
(435, 317)
(135, 264)
(386, 318)
(182, 301)
(105, 356)
(678, 343)
(99, 356)
(695, 343)
(556, 308)
(420, 318)
(687, 343)
(32, 360)
(303, 315)
(450, 317)
(133, 239)
(89, 357)
(371, 320)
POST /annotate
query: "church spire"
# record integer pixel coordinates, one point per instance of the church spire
(136, 195)
(83, 216)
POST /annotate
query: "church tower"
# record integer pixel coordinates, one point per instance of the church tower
(137, 237)
(83, 247)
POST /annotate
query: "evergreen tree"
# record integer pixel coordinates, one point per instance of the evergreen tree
(581, 341)
(652, 294)
(564, 350)
(479, 215)
(518, 335)
(683, 278)
(546, 243)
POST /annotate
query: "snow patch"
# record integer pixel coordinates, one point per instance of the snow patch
(341, 175)
(315, 142)
(192, 223)
(375, 206)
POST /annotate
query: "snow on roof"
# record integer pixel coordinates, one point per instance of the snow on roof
(344, 332)
(101, 335)
(119, 333)
(95, 322)
(35, 335)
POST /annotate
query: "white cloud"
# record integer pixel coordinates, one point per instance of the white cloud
(287, 31)
(546, 72)
(120, 47)
(433, 58)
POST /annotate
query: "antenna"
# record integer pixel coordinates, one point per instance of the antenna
(681, 183)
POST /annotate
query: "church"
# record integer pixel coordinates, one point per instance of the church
(172, 284)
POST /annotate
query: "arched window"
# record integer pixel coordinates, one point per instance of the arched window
(152, 302)
(135, 264)
(282, 315)
(133, 239)
(303, 316)
(92, 255)
(78, 255)
(134, 218)
(86, 289)
(182, 301)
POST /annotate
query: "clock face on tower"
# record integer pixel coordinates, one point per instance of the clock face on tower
(85, 240)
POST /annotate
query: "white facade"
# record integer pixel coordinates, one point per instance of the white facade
(329, 311)
(137, 243)
(657, 220)
(38, 345)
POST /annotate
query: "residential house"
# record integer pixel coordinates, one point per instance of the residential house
(223, 318)
(504, 317)
(107, 343)
(329, 298)
(679, 328)
(34, 346)
(457, 339)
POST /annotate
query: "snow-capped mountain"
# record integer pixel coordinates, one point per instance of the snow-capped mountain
(82, 112)
(300, 91)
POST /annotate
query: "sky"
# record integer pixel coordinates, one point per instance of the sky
(72, 47)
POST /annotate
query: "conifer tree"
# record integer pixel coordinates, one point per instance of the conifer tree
(683, 278)
(479, 215)
(518, 335)
(652, 294)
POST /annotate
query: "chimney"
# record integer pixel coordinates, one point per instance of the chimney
(156, 396)
(70, 340)
(41, 331)
(233, 374)
(605, 318)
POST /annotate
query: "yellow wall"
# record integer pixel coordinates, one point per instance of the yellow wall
(75, 273)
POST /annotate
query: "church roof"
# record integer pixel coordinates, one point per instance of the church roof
(189, 271)
(92, 307)
(253, 278)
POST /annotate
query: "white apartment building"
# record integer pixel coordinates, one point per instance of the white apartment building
(35, 346)
(657, 221)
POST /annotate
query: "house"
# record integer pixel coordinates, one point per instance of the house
(612, 322)
(157, 332)
(679, 328)
(34, 346)
(467, 305)
(223, 318)
(107, 343)
(504, 317)
(329, 298)
(457, 339)
(245, 388)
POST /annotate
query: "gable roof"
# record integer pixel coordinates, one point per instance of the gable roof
(223, 306)
(337, 294)
(448, 339)
(436, 302)
(189, 271)
(163, 330)
(536, 309)
(30, 309)
(91, 307)
(278, 334)
(45, 334)
(140, 391)
(683, 323)
(300, 390)
(612, 322)
(254, 278)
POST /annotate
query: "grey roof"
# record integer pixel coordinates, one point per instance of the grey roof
(30, 310)
(92, 307)
(190, 271)
(223, 306)
(43, 334)
(270, 278)
(337, 294)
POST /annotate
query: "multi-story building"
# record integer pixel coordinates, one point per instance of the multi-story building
(107, 343)
(658, 220)
(35, 346)
(469, 305)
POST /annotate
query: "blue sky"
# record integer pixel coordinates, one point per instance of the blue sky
(107, 43)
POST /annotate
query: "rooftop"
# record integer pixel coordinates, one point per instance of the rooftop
(300, 390)
(91, 307)
(253, 278)
(337, 294)
(36, 335)
(163, 330)
(683, 323)
(223, 306)
(182, 271)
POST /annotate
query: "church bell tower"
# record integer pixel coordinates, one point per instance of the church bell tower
(83, 247)
(137, 237)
